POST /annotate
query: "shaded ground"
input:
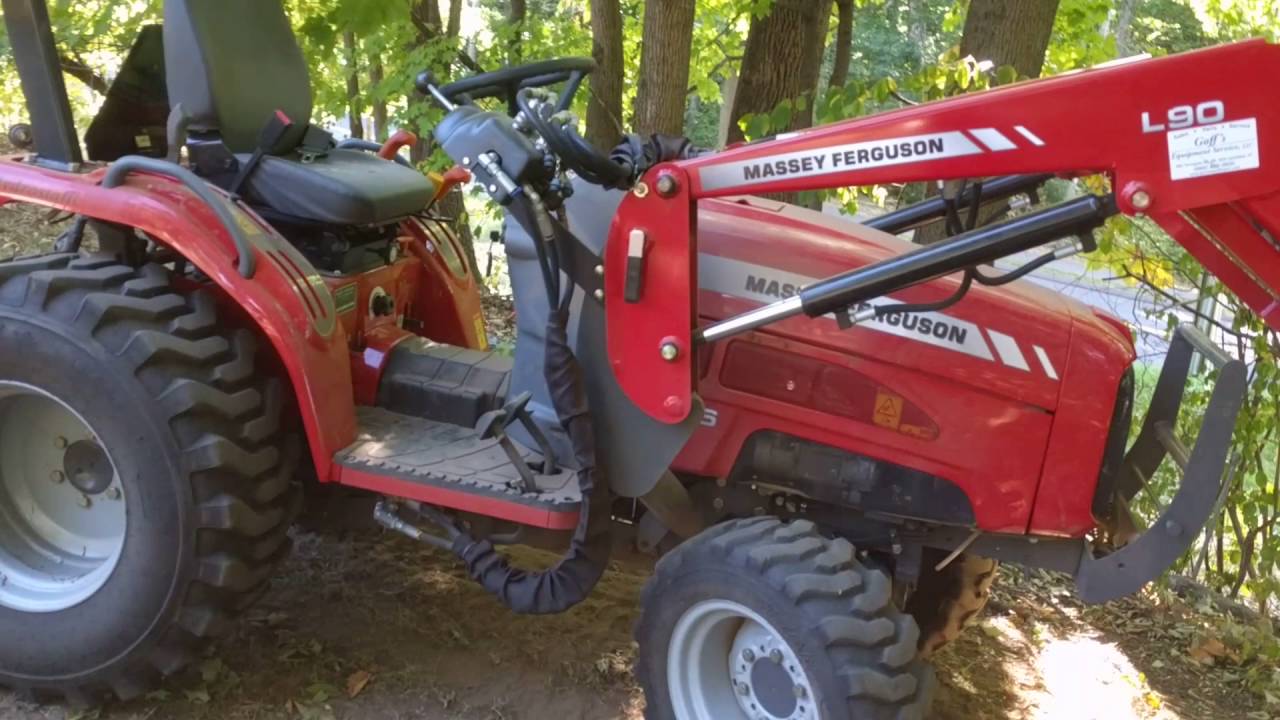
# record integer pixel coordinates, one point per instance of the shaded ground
(372, 626)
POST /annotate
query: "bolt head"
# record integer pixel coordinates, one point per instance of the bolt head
(57, 476)
(641, 190)
(598, 294)
(667, 185)
(1141, 200)
(493, 188)
(599, 270)
(670, 351)
(718, 503)
(466, 160)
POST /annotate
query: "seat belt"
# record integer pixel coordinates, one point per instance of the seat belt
(316, 143)
(272, 133)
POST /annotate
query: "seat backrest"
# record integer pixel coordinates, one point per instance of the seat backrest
(231, 63)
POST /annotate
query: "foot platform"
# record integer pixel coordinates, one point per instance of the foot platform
(455, 467)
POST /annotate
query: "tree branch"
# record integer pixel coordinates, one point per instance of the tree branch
(74, 66)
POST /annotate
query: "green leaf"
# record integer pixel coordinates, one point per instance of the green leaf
(1006, 74)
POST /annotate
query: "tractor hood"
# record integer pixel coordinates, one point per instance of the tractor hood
(1013, 340)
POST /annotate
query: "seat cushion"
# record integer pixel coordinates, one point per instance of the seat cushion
(345, 187)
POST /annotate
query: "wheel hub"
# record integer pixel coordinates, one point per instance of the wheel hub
(726, 662)
(62, 507)
(767, 675)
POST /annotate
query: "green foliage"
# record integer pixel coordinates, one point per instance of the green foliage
(1077, 39)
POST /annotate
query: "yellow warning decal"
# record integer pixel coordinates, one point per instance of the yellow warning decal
(888, 410)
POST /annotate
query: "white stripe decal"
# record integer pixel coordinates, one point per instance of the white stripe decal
(1007, 349)
(1044, 362)
(850, 157)
(1029, 135)
(763, 284)
(993, 139)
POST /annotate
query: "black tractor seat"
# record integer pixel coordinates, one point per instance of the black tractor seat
(230, 66)
(342, 187)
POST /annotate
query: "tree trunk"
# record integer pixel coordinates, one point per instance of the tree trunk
(1006, 32)
(355, 112)
(844, 43)
(455, 18)
(782, 60)
(425, 16)
(516, 15)
(664, 66)
(1124, 28)
(604, 106)
(1009, 32)
(378, 108)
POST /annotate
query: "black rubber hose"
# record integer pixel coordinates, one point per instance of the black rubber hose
(571, 580)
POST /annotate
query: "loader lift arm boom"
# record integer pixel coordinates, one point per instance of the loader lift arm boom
(1189, 140)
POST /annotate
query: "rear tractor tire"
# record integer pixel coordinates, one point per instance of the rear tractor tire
(947, 601)
(146, 479)
(764, 620)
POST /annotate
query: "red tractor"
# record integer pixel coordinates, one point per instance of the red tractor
(828, 436)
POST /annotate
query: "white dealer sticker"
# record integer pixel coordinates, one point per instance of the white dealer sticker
(1224, 147)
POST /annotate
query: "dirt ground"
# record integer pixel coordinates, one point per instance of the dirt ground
(369, 625)
(373, 626)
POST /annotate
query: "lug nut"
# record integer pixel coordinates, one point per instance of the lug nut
(113, 493)
(776, 656)
(83, 501)
(744, 689)
(57, 476)
(748, 655)
(800, 692)
(60, 442)
(670, 351)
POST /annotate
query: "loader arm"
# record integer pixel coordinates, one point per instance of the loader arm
(1189, 140)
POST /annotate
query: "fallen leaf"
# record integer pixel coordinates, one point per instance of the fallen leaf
(357, 682)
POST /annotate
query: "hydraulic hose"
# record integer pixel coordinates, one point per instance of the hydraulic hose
(572, 578)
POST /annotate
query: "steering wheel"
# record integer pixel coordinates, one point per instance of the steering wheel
(507, 81)
(513, 85)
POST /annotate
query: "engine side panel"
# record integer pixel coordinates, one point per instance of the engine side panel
(985, 377)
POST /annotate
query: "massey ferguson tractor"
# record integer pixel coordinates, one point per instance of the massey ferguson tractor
(828, 437)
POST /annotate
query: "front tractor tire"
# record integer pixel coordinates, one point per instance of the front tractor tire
(146, 480)
(764, 620)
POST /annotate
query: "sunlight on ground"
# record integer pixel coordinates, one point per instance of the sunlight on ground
(1076, 676)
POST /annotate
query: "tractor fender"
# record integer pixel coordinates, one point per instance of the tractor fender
(285, 299)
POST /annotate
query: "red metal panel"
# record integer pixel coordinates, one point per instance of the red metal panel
(1073, 458)
(974, 447)
(458, 500)
(447, 304)
(637, 331)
